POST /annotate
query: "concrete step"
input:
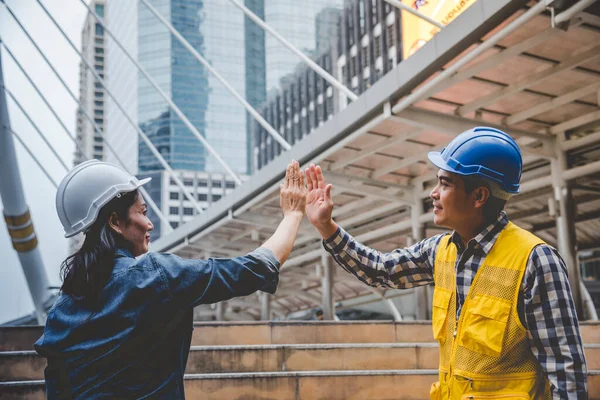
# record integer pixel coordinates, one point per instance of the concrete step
(27, 365)
(331, 385)
(289, 332)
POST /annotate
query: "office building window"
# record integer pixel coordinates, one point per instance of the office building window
(174, 210)
(99, 30)
(174, 195)
(390, 35)
(174, 224)
(188, 211)
(202, 197)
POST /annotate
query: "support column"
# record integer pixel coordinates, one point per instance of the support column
(17, 216)
(327, 285)
(220, 311)
(418, 234)
(265, 306)
(565, 224)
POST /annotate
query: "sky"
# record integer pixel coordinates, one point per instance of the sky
(15, 299)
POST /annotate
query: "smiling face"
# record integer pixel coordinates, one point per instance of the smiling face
(452, 207)
(136, 230)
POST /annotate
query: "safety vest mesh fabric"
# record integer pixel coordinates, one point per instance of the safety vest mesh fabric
(490, 340)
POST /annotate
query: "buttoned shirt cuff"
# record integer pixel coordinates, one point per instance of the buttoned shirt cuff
(334, 240)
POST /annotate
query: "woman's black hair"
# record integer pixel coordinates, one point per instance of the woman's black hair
(493, 206)
(86, 272)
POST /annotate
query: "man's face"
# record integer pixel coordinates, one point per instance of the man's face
(451, 204)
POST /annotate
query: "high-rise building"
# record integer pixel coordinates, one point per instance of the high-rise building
(298, 23)
(123, 84)
(213, 29)
(372, 38)
(239, 55)
(358, 53)
(91, 94)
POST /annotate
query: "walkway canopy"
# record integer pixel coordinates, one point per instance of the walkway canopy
(513, 65)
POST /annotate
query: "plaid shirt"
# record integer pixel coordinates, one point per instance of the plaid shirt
(545, 306)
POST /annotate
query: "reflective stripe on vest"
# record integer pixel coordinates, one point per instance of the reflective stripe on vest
(486, 352)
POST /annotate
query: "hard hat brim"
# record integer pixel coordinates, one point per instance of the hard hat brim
(90, 219)
(436, 159)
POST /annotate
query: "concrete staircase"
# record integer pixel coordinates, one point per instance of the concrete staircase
(286, 360)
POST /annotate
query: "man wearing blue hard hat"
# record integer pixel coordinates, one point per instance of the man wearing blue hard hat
(503, 312)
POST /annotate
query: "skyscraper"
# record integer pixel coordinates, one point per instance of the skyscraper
(299, 23)
(235, 47)
(214, 30)
(91, 93)
(92, 96)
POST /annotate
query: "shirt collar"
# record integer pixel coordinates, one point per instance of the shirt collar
(123, 253)
(487, 237)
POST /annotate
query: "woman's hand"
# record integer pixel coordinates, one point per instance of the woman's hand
(292, 195)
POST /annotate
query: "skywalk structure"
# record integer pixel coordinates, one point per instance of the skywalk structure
(524, 67)
(531, 69)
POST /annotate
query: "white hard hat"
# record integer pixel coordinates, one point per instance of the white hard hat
(86, 189)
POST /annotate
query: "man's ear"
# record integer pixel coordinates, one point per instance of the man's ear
(114, 223)
(480, 196)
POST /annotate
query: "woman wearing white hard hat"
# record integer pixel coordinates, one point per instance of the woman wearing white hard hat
(122, 326)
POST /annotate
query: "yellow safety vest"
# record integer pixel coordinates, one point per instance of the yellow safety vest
(486, 353)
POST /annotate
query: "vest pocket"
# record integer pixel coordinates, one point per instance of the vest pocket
(496, 395)
(485, 324)
(435, 393)
(441, 301)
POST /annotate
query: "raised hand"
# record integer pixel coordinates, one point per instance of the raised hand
(292, 195)
(319, 204)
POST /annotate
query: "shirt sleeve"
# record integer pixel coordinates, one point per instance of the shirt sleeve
(552, 323)
(194, 282)
(400, 269)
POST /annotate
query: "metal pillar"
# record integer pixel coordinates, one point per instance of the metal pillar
(327, 286)
(565, 223)
(220, 311)
(265, 306)
(418, 233)
(17, 216)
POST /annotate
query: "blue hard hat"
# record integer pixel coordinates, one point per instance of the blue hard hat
(485, 152)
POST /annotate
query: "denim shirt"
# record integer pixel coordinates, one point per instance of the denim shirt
(135, 344)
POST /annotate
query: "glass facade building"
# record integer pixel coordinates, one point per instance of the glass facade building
(302, 23)
(91, 92)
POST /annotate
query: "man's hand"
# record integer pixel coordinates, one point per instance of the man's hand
(292, 195)
(319, 204)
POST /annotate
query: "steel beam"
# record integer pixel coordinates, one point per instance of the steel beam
(552, 104)
(529, 81)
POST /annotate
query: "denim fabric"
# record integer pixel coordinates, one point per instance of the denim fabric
(135, 343)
